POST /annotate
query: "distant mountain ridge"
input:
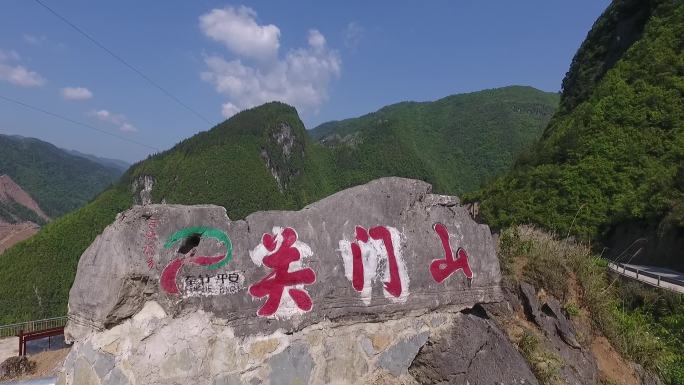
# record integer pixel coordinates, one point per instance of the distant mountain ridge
(58, 181)
(117, 164)
(264, 159)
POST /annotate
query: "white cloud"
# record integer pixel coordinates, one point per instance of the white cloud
(117, 120)
(352, 35)
(34, 40)
(316, 39)
(9, 55)
(76, 93)
(229, 109)
(17, 74)
(106, 116)
(301, 78)
(238, 30)
(127, 127)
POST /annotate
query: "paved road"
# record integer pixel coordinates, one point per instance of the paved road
(655, 276)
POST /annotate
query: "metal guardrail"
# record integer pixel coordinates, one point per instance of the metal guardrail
(32, 326)
(655, 279)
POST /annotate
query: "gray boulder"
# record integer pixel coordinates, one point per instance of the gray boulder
(579, 365)
(352, 289)
(473, 352)
(126, 265)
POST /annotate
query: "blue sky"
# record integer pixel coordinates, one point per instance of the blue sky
(332, 60)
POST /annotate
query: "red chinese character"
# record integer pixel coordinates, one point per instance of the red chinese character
(441, 269)
(278, 252)
(149, 249)
(380, 233)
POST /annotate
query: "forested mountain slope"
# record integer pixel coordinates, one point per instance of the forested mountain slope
(58, 180)
(457, 143)
(610, 165)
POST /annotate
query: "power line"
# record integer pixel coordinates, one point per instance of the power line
(62, 117)
(124, 62)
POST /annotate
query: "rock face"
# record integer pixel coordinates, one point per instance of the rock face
(474, 352)
(579, 363)
(351, 289)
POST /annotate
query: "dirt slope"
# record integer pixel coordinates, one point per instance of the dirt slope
(10, 191)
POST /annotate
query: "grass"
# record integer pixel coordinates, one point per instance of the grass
(545, 365)
(643, 324)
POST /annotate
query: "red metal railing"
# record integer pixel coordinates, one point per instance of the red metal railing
(31, 326)
(36, 335)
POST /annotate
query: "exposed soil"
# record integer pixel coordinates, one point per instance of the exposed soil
(611, 365)
(10, 234)
(47, 363)
(12, 191)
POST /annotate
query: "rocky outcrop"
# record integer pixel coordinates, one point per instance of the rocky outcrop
(366, 286)
(579, 364)
(153, 348)
(142, 189)
(474, 352)
(282, 153)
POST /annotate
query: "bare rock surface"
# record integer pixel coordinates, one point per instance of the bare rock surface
(349, 290)
(473, 352)
(579, 363)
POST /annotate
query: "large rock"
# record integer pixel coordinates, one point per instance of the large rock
(579, 365)
(346, 290)
(474, 352)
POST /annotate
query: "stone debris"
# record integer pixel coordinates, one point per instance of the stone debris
(16, 366)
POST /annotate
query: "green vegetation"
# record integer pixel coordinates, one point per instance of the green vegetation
(36, 274)
(457, 143)
(227, 166)
(545, 365)
(610, 165)
(57, 180)
(644, 324)
(13, 212)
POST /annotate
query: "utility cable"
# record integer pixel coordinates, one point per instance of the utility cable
(124, 62)
(62, 117)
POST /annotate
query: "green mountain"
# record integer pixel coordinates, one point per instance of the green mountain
(456, 143)
(610, 165)
(59, 181)
(263, 158)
